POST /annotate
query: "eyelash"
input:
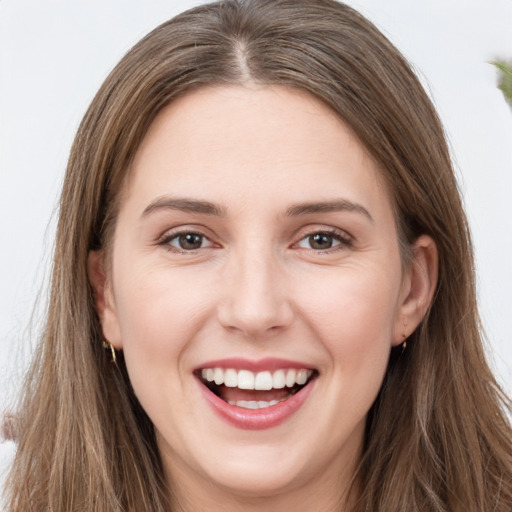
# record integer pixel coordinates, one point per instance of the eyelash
(169, 237)
(343, 239)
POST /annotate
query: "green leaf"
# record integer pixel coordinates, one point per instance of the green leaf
(504, 78)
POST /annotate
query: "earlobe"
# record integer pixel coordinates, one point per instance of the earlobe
(103, 298)
(418, 288)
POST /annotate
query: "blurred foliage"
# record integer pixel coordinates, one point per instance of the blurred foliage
(505, 78)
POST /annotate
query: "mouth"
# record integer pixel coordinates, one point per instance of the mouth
(245, 389)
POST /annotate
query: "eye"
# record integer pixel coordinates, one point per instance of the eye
(323, 241)
(187, 241)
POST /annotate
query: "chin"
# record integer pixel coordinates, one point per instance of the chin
(258, 478)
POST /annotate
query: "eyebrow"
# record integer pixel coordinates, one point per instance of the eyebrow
(326, 207)
(208, 208)
(184, 205)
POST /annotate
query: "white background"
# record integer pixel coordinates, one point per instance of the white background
(55, 54)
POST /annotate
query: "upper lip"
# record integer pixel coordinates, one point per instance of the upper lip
(266, 364)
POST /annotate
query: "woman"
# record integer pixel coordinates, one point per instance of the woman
(263, 294)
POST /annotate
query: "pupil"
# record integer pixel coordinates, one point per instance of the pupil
(320, 241)
(190, 241)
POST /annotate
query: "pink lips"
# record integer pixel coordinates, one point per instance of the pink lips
(256, 419)
(268, 364)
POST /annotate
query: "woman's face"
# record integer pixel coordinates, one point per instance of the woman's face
(256, 290)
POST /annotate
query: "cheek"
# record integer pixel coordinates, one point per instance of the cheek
(159, 319)
(353, 314)
(158, 314)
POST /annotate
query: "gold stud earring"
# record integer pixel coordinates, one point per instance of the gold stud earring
(404, 335)
(404, 344)
(107, 345)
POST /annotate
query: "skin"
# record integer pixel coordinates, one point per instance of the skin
(257, 288)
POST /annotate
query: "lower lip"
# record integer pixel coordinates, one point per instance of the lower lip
(257, 419)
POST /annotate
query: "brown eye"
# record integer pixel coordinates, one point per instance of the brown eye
(320, 241)
(188, 241)
(325, 240)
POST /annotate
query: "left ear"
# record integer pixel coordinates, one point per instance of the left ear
(104, 298)
(418, 287)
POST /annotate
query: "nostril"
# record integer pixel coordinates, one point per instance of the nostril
(254, 321)
(255, 301)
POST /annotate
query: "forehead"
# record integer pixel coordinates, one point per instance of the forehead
(252, 141)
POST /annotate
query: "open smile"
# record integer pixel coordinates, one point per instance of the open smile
(255, 399)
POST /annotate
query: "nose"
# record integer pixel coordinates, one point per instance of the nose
(256, 302)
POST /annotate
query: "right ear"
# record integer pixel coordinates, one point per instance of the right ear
(104, 298)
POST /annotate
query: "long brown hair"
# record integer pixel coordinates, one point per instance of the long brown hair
(437, 436)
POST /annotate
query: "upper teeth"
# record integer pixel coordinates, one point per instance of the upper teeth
(245, 379)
